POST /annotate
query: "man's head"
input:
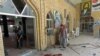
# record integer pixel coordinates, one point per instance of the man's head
(62, 26)
(20, 23)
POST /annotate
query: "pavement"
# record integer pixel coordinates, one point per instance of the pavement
(83, 45)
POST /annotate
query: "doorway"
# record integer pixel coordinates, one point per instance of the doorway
(86, 25)
(9, 36)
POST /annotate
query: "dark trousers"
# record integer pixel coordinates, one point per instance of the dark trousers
(19, 43)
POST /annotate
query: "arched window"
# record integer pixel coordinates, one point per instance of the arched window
(50, 24)
(53, 21)
(57, 19)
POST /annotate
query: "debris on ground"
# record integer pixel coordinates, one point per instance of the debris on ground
(94, 54)
(68, 44)
(84, 46)
(53, 55)
(47, 55)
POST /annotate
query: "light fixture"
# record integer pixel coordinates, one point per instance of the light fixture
(11, 26)
(7, 18)
(1, 19)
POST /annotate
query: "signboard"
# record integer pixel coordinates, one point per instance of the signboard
(95, 5)
(85, 9)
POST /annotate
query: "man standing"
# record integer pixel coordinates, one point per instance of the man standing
(20, 36)
(63, 36)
